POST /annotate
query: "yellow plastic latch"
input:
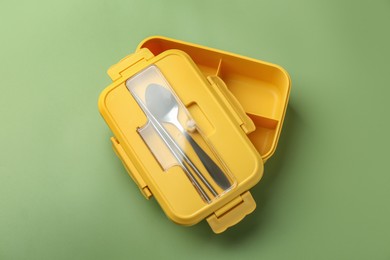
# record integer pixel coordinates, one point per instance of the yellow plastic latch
(232, 104)
(232, 213)
(131, 170)
(115, 71)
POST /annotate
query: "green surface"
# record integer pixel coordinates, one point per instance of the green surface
(325, 193)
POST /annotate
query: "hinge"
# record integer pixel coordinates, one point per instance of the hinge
(115, 71)
(232, 213)
(233, 105)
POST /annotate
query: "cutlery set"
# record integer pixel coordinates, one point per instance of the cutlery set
(161, 107)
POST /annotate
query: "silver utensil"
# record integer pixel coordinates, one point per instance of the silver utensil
(165, 108)
(177, 152)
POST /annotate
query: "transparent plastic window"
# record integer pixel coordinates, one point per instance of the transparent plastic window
(174, 138)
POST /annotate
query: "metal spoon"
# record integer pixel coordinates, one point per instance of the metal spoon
(165, 108)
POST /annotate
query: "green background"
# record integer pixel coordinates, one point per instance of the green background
(326, 190)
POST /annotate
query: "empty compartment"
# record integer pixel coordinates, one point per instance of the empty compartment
(264, 137)
(261, 88)
(256, 86)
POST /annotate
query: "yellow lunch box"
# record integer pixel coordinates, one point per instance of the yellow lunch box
(194, 125)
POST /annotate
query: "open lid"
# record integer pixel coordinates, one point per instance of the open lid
(261, 88)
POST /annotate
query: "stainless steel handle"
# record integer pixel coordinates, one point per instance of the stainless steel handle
(214, 170)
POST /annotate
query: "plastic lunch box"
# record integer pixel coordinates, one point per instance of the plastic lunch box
(194, 125)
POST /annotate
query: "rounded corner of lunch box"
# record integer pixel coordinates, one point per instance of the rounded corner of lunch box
(150, 39)
(102, 101)
(286, 74)
(180, 218)
(258, 172)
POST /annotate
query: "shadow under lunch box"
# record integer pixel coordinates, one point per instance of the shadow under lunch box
(194, 125)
